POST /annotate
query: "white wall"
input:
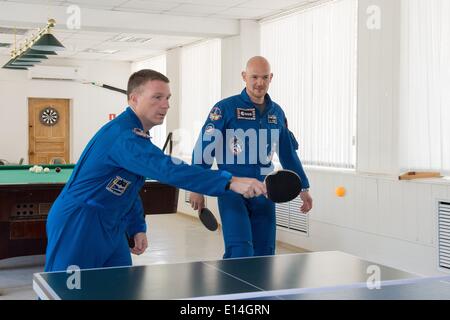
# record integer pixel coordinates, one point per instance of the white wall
(250, 40)
(173, 70)
(232, 67)
(236, 51)
(380, 218)
(90, 105)
(378, 86)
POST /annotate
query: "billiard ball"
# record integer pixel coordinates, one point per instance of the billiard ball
(46, 170)
(58, 169)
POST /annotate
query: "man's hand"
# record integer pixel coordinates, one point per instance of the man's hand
(197, 201)
(140, 243)
(248, 187)
(307, 202)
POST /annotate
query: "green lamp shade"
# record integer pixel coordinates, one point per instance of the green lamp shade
(15, 68)
(23, 63)
(28, 60)
(47, 42)
(39, 52)
(9, 65)
(31, 57)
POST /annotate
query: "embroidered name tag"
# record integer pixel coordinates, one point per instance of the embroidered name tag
(246, 114)
(272, 119)
(141, 133)
(118, 186)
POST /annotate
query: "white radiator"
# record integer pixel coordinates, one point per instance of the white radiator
(289, 216)
(444, 235)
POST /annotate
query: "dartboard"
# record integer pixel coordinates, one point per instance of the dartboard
(49, 116)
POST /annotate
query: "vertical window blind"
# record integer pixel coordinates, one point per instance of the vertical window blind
(313, 54)
(200, 89)
(424, 130)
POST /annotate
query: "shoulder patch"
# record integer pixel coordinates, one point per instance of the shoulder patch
(118, 186)
(215, 114)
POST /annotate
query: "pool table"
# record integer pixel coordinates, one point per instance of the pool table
(26, 198)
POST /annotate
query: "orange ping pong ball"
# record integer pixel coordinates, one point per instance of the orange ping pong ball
(340, 191)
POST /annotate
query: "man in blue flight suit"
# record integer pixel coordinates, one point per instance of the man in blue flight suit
(87, 223)
(242, 133)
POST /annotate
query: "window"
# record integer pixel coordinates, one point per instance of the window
(313, 55)
(424, 131)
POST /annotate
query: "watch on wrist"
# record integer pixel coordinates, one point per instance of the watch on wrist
(304, 189)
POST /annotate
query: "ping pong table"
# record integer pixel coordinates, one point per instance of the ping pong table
(330, 275)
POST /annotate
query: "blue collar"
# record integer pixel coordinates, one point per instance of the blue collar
(134, 118)
(267, 99)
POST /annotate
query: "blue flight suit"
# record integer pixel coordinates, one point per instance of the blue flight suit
(249, 226)
(87, 223)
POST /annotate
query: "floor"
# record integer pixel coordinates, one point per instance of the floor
(172, 238)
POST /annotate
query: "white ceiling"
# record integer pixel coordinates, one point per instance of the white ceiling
(187, 21)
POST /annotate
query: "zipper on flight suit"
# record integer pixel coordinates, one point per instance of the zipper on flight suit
(260, 117)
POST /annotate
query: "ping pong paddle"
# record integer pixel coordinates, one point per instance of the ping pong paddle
(283, 186)
(208, 219)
